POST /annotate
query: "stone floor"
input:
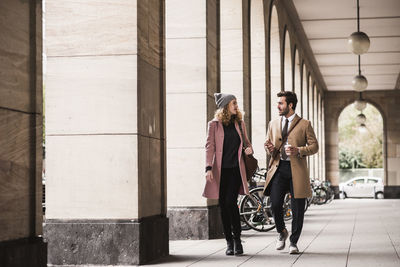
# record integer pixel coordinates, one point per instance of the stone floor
(350, 232)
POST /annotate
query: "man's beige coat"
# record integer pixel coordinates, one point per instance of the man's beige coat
(303, 137)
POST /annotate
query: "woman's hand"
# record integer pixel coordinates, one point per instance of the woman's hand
(209, 176)
(248, 151)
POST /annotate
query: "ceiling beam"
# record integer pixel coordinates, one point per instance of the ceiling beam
(349, 53)
(352, 65)
(298, 26)
(345, 37)
(333, 19)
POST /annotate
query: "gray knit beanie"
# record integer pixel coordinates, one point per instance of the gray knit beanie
(223, 99)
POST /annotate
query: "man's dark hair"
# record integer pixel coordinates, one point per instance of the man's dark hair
(290, 98)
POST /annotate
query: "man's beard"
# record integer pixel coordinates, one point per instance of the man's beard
(284, 112)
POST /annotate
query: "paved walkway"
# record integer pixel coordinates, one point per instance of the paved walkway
(350, 232)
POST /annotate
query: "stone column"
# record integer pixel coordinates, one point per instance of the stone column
(105, 132)
(259, 122)
(21, 134)
(322, 145)
(192, 79)
(317, 123)
(333, 108)
(315, 126)
(313, 123)
(389, 102)
(246, 33)
(298, 82)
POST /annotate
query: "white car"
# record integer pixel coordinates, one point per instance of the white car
(362, 187)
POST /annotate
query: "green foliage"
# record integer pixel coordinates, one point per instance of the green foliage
(359, 149)
(349, 159)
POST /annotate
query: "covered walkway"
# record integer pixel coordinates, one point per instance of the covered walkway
(351, 232)
(103, 122)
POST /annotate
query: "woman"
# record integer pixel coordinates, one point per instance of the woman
(225, 169)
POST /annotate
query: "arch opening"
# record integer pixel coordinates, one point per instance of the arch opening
(288, 73)
(275, 62)
(360, 149)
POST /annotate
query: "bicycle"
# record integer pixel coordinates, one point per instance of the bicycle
(258, 177)
(255, 210)
(309, 201)
(329, 191)
(320, 194)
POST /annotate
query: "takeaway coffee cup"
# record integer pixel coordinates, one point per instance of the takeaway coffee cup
(287, 146)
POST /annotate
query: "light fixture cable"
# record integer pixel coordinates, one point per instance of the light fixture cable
(358, 16)
(358, 29)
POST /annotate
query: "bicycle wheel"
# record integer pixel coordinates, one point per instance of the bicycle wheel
(320, 196)
(256, 212)
(308, 203)
(287, 207)
(330, 195)
(243, 224)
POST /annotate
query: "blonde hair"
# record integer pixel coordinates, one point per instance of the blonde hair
(223, 115)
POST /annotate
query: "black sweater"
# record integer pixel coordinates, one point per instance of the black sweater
(231, 147)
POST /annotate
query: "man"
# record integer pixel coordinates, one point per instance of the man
(288, 167)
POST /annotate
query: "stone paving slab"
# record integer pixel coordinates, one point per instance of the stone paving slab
(350, 232)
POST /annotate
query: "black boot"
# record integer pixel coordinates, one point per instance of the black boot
(229, 247)
(238, 246)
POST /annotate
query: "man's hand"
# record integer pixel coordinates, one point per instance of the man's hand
(291, 150)
(268, 146)
(209, 176)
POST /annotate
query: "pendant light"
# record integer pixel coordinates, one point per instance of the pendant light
(360, 103)
(359, 83)
(358, 42)
(361, 119)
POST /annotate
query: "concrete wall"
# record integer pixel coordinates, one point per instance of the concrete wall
(387, 102)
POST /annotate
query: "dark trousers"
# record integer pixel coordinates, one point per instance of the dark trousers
(281, 184)
(228, 194)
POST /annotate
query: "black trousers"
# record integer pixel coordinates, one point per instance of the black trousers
(228, 194)
(281, 184)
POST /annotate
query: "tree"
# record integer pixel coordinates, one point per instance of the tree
(359, 149)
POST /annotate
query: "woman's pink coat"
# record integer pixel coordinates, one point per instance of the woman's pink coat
(214, 146)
